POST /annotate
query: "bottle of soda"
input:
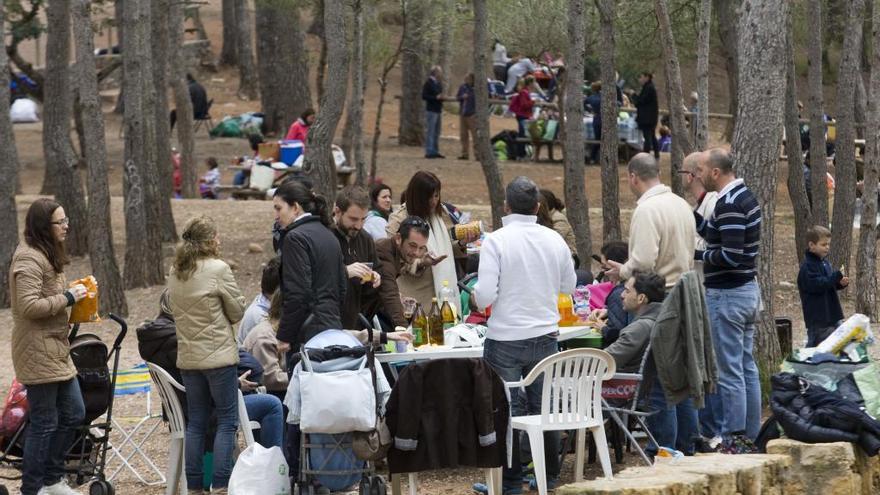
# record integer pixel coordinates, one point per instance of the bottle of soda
(448, 316)
(419, 326)
(447, 294)
(435, 334)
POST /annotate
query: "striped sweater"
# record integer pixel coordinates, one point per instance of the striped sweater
(733, 236)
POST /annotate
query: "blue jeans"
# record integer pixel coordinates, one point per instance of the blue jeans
(57, 412)
(673, 427)
(432, 133)
(513, 360)
(266, 409)
(736, 406)
(203, 386)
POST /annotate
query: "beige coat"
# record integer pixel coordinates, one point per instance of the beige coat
(205, 307)
(262, 345)
(563, 227)
(40, 350)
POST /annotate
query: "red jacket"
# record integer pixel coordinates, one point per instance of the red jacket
(521, 104)
(298, 131)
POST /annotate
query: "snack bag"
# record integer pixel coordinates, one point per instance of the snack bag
(86, 310)
(856, 328)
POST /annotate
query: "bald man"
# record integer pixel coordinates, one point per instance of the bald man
(703, 200)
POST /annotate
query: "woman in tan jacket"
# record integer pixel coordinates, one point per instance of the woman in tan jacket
(40, 350)
(206, 302)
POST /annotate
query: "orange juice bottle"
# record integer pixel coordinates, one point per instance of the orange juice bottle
(566, 311)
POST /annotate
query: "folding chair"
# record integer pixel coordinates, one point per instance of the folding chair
(204, 120)
(135, 381)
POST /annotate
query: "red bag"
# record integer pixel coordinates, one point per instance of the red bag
(15, 409)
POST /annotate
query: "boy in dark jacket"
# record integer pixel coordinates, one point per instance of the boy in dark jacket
(818, 284)
(614, 315)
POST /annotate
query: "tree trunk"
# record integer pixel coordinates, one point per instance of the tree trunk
(185, 135)
(118, 5)
(577, 205)
(681, 139)
(728, 20)
(411, 131)
(756, 143)
(445, 43)
(57, 112)
(9, 172)
(866, 260)
(358, 87)
(845, 155)
(390, 63)
(159, 35)
(283, 64)
(797, 192)
(818, 167)
(247, 68)
(704, 43)
(318, 162)
(482, 146)
(229, 52)
(101, 252)
(317, 29)
(143, 240)
(610, 180)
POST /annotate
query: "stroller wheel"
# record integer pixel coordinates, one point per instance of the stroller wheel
(101, 487)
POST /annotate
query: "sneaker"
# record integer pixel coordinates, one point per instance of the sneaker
(705, 445)
(738, 444)
(551, 484)
(483, 488)
(60, 488)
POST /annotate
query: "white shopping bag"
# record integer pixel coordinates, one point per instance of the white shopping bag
(260, 471)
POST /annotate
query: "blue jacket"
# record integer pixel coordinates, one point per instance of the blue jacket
(618, 318)
(818, 285)
(432, 92)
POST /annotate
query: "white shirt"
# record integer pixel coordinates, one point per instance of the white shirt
(516, 71)
(255, 313)
(375, 226)
(499, 55)
(729, 186)
(523, 269)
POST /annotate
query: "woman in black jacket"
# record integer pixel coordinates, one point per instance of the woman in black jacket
(647, 113)
(312, 272)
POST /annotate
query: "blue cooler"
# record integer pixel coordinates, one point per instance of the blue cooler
(290, 151)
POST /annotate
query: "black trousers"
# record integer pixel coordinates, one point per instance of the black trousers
(650, 141)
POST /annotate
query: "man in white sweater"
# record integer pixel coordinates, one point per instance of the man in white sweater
(662, 231)
(523, 268)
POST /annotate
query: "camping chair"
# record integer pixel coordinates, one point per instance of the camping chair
(135, 381)
(204, 120)
(247, 426)
(570, 400)
(168, 387)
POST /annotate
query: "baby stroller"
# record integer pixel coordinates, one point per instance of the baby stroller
(86, 459)
(327, 459)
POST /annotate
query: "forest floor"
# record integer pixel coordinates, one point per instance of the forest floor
(245, 222)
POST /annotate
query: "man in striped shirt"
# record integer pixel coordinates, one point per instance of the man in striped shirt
(732, 235)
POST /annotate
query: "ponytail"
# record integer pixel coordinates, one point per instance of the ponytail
(199, 242)
(295, 192)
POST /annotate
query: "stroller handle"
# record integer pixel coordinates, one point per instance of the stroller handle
(122, 331)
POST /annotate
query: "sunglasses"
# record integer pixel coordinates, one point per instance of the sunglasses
(415, 222)
(687, 172)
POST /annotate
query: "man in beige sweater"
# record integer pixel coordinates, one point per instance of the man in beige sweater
(662, 230)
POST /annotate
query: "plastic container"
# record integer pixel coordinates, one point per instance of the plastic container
(290, 151)
(566, 311)
(262, 177)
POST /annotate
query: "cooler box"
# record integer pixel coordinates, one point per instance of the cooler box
(269, 152)
(290, 151)
(262, 177)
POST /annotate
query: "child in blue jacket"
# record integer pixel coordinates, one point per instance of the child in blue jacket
(818, 284)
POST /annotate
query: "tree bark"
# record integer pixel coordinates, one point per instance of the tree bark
(185, 135)
(797, 192)
(358, 87)
(317, 29)
(704, 43)
(610, 180)
(845, 155)
(247, 68)
(143, 239)
(118, 5)
(318, 162)
(577, 205)
(866, 260)
(818, 167)
(283, 64)
(756, 143)
(389, 64)
(681, 139)
(728, 20)
(101, 252)
(229, 52)
(60, 156)
(160, 45)
(411, 131)
(445, 41)
(482, 146)
(9, 172)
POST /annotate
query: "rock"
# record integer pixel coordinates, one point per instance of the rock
(255, 248)
(232, 264)
(825, 468)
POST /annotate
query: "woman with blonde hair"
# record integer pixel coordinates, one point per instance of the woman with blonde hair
(206, 302)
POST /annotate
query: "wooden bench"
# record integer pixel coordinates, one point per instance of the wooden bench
(343, 177)
(625, 152)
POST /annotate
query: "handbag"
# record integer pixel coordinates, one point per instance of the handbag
(337, 401)
(374, 444)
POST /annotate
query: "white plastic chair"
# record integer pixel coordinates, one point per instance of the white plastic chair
(244, 423)
(167, 386)
(571, 399)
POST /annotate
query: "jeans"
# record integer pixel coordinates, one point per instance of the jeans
(513, 360)
(597, 135)
(57, 412)
(203, 386)
(673, 427)
(266, 409)
(736, 406)
(650, 141)
(521, 132)
(432, 133)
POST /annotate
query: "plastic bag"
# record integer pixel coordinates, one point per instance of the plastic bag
(15, 409)
(260, 471)
(86, 310)
(868, 381)
(856, 328)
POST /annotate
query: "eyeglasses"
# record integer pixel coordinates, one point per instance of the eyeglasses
(63, 221)
(687, 172)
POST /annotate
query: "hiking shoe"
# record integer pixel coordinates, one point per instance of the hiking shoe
(483, 488)
(705, 445)
(738, 444)
(551, 484)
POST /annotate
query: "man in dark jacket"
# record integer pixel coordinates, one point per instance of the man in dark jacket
(647, 113)
(642, 296)
(358, 252)
(818, 284)
(199, 98)
(432, 93)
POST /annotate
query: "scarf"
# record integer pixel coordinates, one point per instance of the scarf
(439, 244)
